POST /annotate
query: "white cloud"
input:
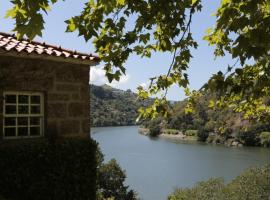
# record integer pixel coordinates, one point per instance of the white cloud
(123, 80)
(146, 84)
(97, 77)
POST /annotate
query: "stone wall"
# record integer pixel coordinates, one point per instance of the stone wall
(65, 87)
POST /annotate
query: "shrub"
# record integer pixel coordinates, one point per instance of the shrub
(153, 126)
(203, 131)
(249, 138)
(191, 132)
(1, 198)
(210, 126)
(111, 180)
(42, 170)
(265, 139)
(202, 134)
(252, 184)
(211, 138)
(171, 131)
(201, 191)
(227, 132)
(154, 130)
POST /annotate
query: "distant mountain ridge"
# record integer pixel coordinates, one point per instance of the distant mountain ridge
(113, 107)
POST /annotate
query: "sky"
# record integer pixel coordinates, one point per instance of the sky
(139, 70)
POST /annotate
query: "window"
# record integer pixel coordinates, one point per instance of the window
(23, 114)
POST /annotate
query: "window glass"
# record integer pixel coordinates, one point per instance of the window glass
(34, 121)
(10, 109)
(35, 109)
(22, 121)
(23, 99)
(35, 99)
(10, 98)
(23, 109)
(10, 121)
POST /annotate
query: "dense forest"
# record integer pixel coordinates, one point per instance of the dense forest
(113, 107)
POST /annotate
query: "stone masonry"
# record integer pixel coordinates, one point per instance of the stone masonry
(65, 87)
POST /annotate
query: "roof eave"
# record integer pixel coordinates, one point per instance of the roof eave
(13, 53)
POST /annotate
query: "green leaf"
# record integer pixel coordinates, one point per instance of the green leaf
(110, 77)
(12, 12)
(194, 2)
(211, 104)
(121, 2)
(71, 25)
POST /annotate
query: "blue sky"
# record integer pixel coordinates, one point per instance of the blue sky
(139, 70)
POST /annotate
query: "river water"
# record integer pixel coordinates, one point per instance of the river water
(155, 167)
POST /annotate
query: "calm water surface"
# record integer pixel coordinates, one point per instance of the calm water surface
(155, 167)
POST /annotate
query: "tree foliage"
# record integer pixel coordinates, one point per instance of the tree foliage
(28, 16)
(251, 184)
(242, 29)
(111, 182)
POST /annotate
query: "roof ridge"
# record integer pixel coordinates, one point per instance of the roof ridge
(46, 45)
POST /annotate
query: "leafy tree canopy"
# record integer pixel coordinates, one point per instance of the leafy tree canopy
(242, 30)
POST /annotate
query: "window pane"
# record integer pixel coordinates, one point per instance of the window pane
(35, 109)
(23, 99)
(10, 121)
(23, 110)
(10, 98)
(10, 132)
(35, 99)
(35, 120)
(11, 109)
(22, 131)
(23, 121)
(34, 131)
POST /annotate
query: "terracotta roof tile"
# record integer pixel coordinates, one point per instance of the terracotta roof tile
(9, 42)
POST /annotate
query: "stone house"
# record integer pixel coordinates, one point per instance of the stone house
(44, 89)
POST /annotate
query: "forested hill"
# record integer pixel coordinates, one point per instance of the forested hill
(213, 126)
(113, 107)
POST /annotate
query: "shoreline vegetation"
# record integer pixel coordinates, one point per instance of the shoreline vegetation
(188, 136)
(216, 126)
(164, 134)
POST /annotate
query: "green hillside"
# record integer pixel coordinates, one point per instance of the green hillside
(113, 107)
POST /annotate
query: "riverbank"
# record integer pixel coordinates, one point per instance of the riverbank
(178, 136)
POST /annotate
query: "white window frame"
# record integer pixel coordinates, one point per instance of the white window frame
(29, 115)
